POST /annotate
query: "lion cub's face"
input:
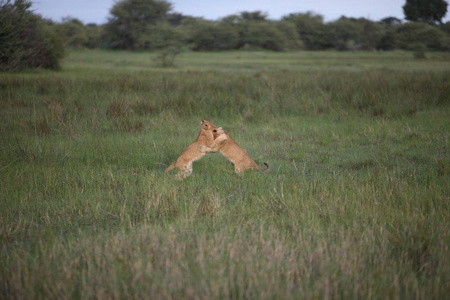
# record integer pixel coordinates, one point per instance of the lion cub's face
(206, 125)
(217, 132)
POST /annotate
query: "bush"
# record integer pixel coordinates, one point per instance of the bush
(276, 36)
(166, 58)
(419, 50)
(27, 41)
(310, 28)
(408, 35)
(206, 35)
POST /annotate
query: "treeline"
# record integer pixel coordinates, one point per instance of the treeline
(150, 24)
(27, 40)
(253, 30)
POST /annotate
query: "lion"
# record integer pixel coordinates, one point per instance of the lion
(224, 143)
(190, 154)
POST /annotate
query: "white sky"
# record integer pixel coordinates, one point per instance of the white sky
(97, 11)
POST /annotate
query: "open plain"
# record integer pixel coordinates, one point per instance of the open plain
(356, 204)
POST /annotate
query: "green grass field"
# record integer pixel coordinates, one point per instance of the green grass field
(356, 204)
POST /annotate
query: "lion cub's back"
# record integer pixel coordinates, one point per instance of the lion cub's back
(191, 153)
(233, 150)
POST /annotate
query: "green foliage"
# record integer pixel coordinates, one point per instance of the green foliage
(249, 31)
(256, 32)
(74, 33)
(160, 35)
(26, 40)
(445, 28)
(391, 21)
(428, 11)
(354, 34)
(419, 50)
(277, 36)
(253, 16)
(139, 24)
(344, 32)
(387, 41)
(208, 35)
(166, 57)
(77, 35)
(310, 28)
(289, 36)
(132, 20)
(95, 38)
(372, 32)
(412, 33)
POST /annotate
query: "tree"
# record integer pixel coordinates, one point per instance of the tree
(310, 28)
(391, 21)
(446, 28)
(344, 34)
(427, 11)
(354, 34)
(27, 41)
(159, 36)
(175, 19)
(254, 16)
(133, 18)
(409, 35)
(209, 35)
(387, 40)
(290, 38)
(94, 35)
(270, 35)
(73, 32)
(372, 33)
(254, 30)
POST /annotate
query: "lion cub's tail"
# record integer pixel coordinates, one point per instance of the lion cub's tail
(169, 168)
(261, 170)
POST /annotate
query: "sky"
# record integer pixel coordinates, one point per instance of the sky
(97, 11)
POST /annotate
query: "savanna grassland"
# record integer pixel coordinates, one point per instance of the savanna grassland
(355, 205)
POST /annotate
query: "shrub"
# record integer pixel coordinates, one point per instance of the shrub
(210, 36)
(419, 50)
(276, 36)
(166, 57)
(27, 41)
(408, 35)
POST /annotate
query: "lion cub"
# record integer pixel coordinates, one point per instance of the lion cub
(232, 151)
(190, 154)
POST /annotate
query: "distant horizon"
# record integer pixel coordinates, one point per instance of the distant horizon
(97, 12)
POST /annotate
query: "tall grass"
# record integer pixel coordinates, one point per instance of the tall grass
(356, 204)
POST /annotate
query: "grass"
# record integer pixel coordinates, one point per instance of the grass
(356, 204)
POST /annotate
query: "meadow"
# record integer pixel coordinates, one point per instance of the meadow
(356, 204)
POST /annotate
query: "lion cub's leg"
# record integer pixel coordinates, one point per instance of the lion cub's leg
(215, 146)
(239, 170)
(184, 172)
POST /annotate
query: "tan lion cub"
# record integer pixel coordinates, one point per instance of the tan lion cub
(232, 151)
(190, 154)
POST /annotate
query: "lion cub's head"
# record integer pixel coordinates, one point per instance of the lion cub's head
(206, 125)
(217, 132)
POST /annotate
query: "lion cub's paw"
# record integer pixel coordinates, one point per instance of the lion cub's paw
(222, 137)
(202, 148)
